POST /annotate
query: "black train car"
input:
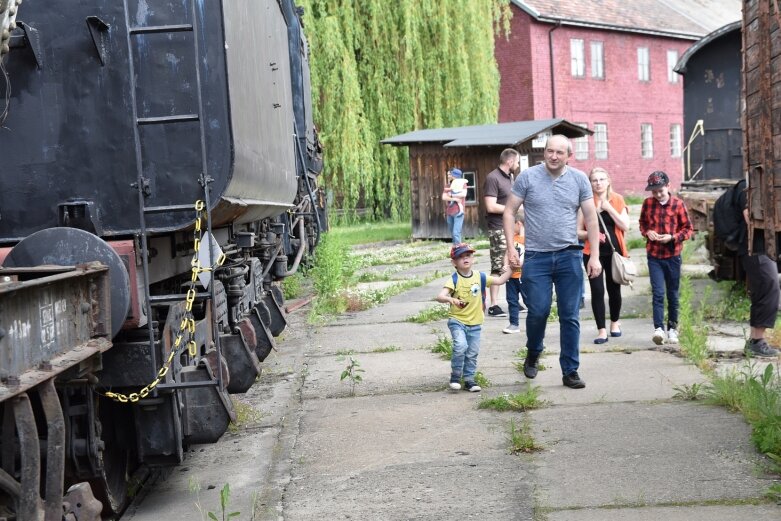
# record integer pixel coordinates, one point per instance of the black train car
(713, 157)
(120, 117)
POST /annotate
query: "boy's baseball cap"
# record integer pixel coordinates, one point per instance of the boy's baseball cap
(460, 249)
(455, 172)
(657, 180)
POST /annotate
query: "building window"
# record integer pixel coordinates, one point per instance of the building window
(600, 140)
(675, 140)
(471, 191)
(647, 141)
(597, 60)
(581, 145)
(643, 73)
(672, 59)
(578, 57)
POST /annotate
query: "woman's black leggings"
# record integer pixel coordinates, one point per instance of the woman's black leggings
(598, 292)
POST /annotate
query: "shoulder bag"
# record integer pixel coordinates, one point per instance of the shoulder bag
(624, 269)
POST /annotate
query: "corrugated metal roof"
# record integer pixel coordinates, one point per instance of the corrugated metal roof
(500, 134)
(687, 19)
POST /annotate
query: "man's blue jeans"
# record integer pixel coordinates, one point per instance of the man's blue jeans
(454, 225)
(665, 273)
(541, 272)
(466, 347)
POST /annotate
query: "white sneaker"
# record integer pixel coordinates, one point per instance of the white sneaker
(672, 336)
(659, 336)
(455, 386)
(509, 330)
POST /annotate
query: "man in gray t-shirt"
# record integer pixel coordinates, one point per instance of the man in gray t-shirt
(551, 194)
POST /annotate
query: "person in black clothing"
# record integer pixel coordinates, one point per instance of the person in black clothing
(762, 280)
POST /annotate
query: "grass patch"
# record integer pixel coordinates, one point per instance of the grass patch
(246, 414)
(443, 346)
(524, 401)
(372, 232)
(689, 392)
(293, 286)
(345, 352)
(758, 398)
(482, 380)
(386, 349)
(521, 439)
(332, 271)
(735, 305)
(692, 331)
(635, 243)
(430, 314)
(634, 199)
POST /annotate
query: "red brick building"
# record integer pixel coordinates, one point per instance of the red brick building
(608, 65)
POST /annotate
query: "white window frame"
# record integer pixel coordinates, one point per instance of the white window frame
(646, 140)
(471, 192)
(577, 51)
(672, 60)
(581, 145)
(600, 140)
(643, 64)
(675, 140)
(597, 59)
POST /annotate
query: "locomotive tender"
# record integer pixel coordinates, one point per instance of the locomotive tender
(171, 142)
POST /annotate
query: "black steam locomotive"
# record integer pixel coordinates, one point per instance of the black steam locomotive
(171, 142)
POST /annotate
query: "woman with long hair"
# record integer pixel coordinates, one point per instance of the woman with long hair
(614, 222)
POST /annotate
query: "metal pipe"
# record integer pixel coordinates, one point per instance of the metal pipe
(552, 68)
(301, 248)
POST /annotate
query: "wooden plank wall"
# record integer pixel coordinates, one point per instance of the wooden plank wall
(429, 164)
(762, 115)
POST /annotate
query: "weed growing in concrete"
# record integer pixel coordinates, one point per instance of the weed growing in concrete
(386, 349)
(443, 346)
(482, 380)
(688, 392)
(195, 488)
(352, 373)
(245, 414)
(521, 439)
(430, 314)
(524, 401)
(332, 272)
(345, 352)
(692, 332)
(758, 398)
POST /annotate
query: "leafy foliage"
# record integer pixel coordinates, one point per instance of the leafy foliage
(383, 68)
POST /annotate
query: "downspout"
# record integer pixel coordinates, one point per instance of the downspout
(552, 71)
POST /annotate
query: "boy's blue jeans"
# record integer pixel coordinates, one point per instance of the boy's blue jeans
(466, 347)
(541, 272)
(454, 224)
(513, 291)
(665, 273)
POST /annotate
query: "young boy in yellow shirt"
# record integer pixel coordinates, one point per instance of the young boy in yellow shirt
(465, 292)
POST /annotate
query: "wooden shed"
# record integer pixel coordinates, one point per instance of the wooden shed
(475, 150)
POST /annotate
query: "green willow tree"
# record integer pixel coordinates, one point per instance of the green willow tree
(381, 68)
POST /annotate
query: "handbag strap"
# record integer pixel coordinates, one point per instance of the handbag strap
(607, 234)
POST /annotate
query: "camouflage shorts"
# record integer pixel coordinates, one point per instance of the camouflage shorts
(498, 247)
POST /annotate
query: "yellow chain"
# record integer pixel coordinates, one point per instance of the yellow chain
(187, 325)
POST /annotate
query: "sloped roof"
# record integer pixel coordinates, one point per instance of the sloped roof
(686, 19)
(680, 67)
(500, 134)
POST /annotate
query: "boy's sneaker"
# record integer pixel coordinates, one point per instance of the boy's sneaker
(455, 384)
(659, 336)
(760, 348)
(672, 336)
(511, 329)
(496, 311)
(472, 387)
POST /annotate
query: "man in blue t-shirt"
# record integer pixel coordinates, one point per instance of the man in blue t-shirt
(551, 194)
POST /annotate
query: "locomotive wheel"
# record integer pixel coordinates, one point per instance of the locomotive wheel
(111, 485)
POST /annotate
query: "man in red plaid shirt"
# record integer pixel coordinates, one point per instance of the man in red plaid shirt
(665, 224)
